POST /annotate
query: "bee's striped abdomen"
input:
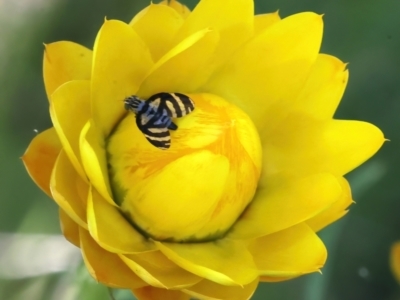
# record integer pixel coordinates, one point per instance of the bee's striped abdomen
(153, 116)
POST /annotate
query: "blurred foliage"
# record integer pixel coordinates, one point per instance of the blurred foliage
(363, 32)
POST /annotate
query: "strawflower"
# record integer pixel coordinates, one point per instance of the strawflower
(251, 174)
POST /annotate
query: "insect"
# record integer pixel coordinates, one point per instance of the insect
(154, 115)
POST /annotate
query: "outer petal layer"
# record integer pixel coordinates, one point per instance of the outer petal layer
(107, 267)
(188, 65)
(68, 189)
(335, 146)
(69, 228)
(180, 8)
(335, 211)
(161, 19)
(211, 290)
(110, 229)
(289, 253)
(157, 270)
(275, 208)
(225, 262)
(324, 88)
(153, 293)
(262, 22)
(41, 156)
(65, 61)
(235, 24)
(271, 68)
(71, 99)
(121, 60)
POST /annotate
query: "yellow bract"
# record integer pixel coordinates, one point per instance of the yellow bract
(251, 175)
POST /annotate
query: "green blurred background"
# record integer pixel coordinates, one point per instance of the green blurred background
(36, 262)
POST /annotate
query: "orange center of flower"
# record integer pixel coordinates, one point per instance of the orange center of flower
(195, 190)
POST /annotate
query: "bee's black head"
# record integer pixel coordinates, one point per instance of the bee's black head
(133, 103)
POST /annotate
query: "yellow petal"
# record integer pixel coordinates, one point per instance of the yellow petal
(94, 160)
(262, 22)
(275, 279)
(107, 267)
(120, 62)
(271, 68)
(324, 88)
(395, 260)
(69, 190)
(335, 211)
(153, 293)
(301, 145)
(69, 228)
(72, 99)
(65, 61)
(157, 25)
(188, 65)
(234, 22)
(288, 253)
(225, 262)
(275, 208)
(157, 270)
(41, 156)
(210, 290)
(110, 229)
(183, 10)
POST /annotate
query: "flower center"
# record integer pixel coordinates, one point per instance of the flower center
(195, 190)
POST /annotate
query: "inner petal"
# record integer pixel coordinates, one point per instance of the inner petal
(197, 188)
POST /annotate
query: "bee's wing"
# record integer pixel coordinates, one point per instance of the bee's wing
(157, 135)
(175, 104)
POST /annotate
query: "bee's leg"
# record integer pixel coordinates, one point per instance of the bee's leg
(172, 126)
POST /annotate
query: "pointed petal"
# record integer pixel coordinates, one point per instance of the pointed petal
(188, 65)
(271, 68)
(275, 208)
(324, 88)
(210, 290)
(107, 267)
(120, 62)
(157, 25)
(65, 61)
(110, 229)
(71, 99)
(40, 157)
(69, 228)
(302, 145)
(234, 22)
(288, 253)
(183, 10)
(225, 262)
(263, 21)
(157, 270)
(69, 190)
(94, 160)
(395, 260)
(335, 211)
(153, 293)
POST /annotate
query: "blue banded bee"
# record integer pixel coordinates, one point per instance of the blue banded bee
(153, 116)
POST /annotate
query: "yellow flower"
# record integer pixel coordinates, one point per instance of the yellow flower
(395, 260)
(251, 175)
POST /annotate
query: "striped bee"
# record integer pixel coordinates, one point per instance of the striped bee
(154, 115)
